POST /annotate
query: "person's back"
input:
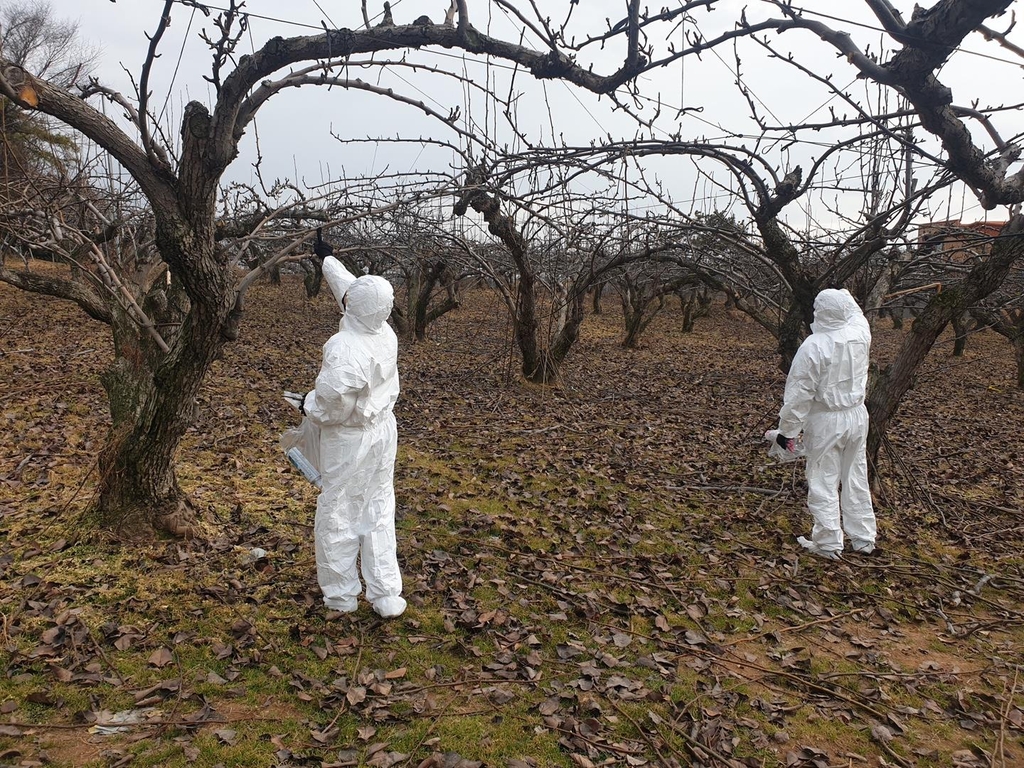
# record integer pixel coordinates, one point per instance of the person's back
(360, 365)
(841, 346)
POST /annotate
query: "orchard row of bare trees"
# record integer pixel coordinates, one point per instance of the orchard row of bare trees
(155, 244)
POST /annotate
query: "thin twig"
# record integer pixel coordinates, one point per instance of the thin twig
(639, 729)
(732, 488)
(1004, 715)
(797, 628)
(149, 724)
(430, 729)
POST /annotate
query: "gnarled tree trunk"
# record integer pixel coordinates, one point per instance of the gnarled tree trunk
(537, 366)
(798, 319)
(421, 310)
(152, 403)
(153, 392)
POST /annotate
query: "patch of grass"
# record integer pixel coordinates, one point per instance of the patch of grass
(492, 738)
(834, 734)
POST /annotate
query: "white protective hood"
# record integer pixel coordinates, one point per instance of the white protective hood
(368, 303)
(831, 310)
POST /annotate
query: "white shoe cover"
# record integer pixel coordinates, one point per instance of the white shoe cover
(389, 607)
(810, 546)
(862, 547)
(343, 604)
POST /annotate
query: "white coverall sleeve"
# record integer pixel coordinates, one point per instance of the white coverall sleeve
(338, 278)
(336, 396)
(801, 388)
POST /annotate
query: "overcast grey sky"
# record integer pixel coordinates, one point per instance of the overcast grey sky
(294, 129)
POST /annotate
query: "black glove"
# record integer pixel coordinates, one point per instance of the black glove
(785, 442)
(302, 405)
(320, 248)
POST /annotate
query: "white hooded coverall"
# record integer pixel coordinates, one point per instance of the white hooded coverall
(353, 405)
(824, 398)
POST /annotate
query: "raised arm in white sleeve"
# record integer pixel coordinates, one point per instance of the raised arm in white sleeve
(338, 279)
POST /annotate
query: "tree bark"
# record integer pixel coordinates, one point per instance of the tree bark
(639, 309)
(423, 314)
(569, 333)
(138, 485)
(798, 319)
(152, 399)
(784, 254)
(695, 303)
(312, 278)
(961, 330)
(1018, 355)
(636, 323)
(152, 394)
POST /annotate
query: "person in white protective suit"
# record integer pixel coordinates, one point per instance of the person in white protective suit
(353, 403)
(824, 399)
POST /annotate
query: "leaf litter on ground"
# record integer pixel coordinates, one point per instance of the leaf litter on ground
(601, 572)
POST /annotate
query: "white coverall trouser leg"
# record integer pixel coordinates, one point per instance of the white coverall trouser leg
(836, 456)
(355, 514)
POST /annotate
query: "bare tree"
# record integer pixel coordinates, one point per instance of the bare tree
(30, 143)
(695, 302)
(565, 244)
(642, 295)
(153, 400)
(180, 181)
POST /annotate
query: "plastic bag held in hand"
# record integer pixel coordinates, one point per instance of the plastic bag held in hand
(776, 451)
(301, 445)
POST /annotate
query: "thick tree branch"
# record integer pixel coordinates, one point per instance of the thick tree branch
(81, 294)
(156, 180)
(226, 128)
(890, 18)
(944, 26)
(931, 37)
